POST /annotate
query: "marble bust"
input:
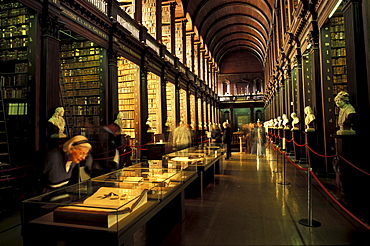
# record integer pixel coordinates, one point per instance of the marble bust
(120, 121)
(346, 114)
(59, 123)
(285, 121)
(280, 122)
(310, 117)
(276, 123)
(295, 121)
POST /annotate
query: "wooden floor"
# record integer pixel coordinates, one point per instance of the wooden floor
(250, 203)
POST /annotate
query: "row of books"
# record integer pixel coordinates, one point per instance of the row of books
(17, 108)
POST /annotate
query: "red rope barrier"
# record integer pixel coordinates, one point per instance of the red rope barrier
(111, 150)
(204, 141)
(327, 192)
(123, 145)
(331, 156)
(15, 168)
(126, 153)
(368, 174)
(337, 202)
(7, 179)
(299, 145)
(326, 156)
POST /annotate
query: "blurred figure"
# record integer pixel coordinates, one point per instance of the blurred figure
(216, 134)
(181, 137)
(249, 129)
(226, 139)
(258, 137)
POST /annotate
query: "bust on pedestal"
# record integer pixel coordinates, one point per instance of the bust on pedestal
(285, 122)
(58, 123)
(295, 121)
(346, 114)
(120, 122)
(280, 122)
(310, 117)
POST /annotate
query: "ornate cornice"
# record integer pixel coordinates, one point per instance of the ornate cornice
(51, 26)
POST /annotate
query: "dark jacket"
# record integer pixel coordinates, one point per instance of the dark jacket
(216, 134)
(54, 172)
(227, 135)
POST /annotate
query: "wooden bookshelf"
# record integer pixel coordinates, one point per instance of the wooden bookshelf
(154, 102)
(81, 65)
(205, 115)
(333, 67)
(338, 54)
(178, 41)
(183, 106)
(189, 58)
(149, 19)
(166, 26)
(128, 6)
(171, 105)
(196, 50)
(17, 80)
(15, 24)
(192, 111)
(128, 96)
(200, 116)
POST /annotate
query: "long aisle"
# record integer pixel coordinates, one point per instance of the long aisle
(251, 204)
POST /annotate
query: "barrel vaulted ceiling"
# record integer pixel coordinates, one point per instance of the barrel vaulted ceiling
(231, 26)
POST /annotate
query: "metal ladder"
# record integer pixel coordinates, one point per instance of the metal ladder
(4, 144)
(5, 184)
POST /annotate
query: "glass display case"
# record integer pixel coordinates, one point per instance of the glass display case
(203, 155)
(108, 209)
(161, 181)
(204, 158)
(90, 203)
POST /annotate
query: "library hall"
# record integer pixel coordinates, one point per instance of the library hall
(184, 122)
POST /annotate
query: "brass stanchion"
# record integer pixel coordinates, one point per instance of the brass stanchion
(283, 182)
(309, 222)
(277, 162)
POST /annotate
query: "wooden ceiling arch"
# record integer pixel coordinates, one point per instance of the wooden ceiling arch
(227, 26)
